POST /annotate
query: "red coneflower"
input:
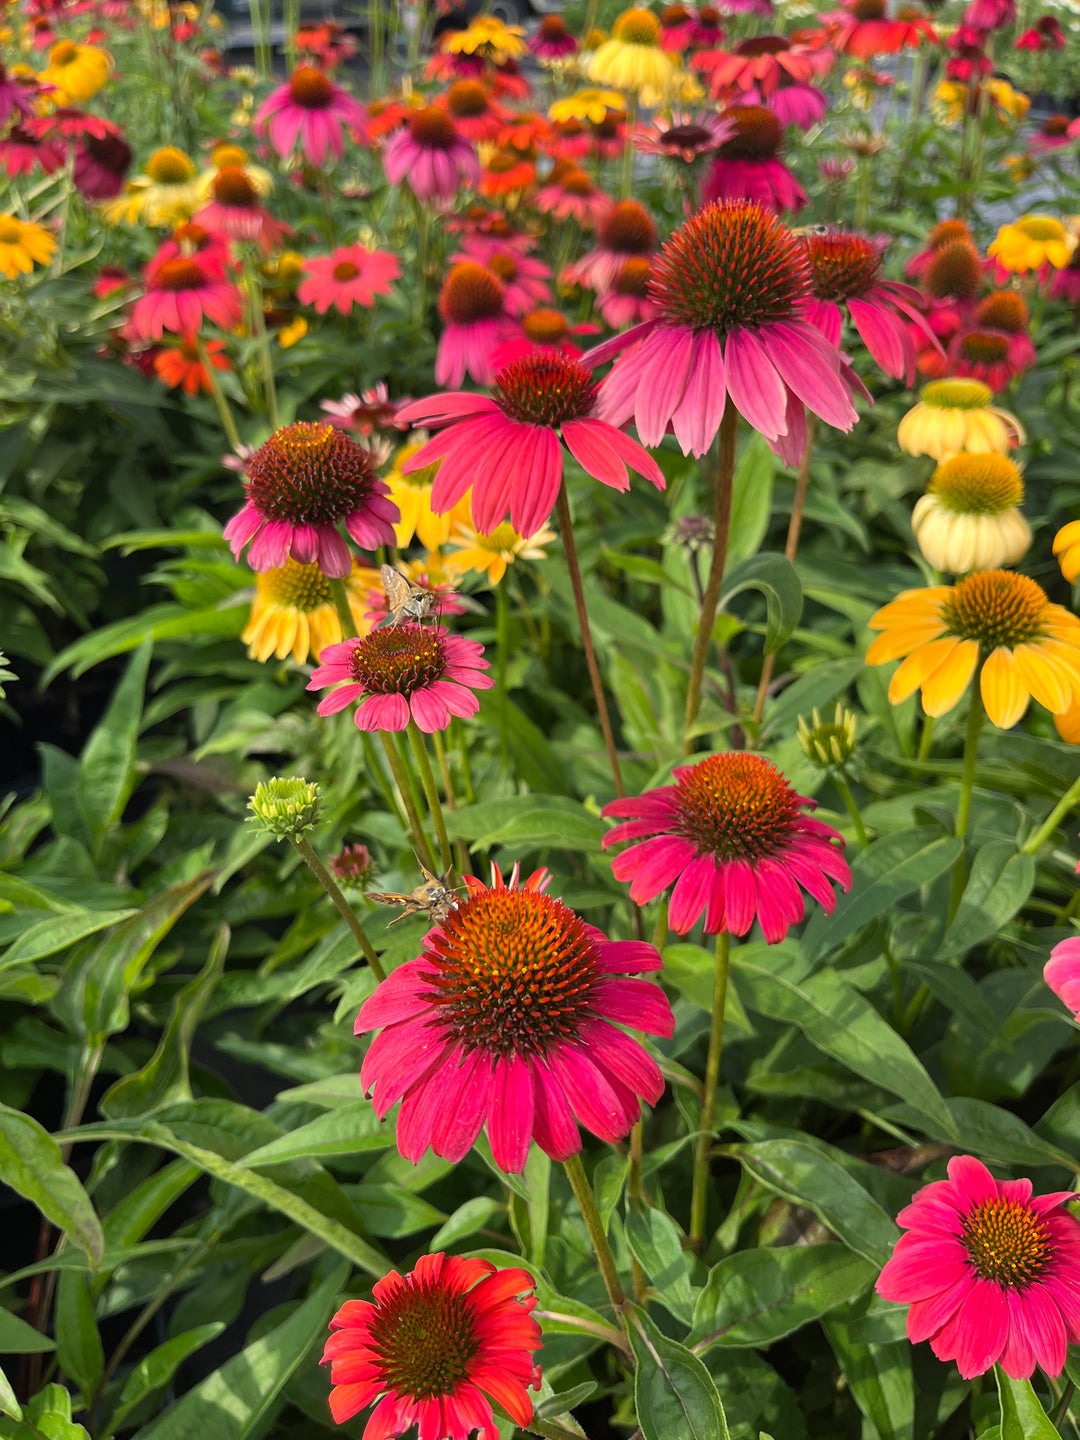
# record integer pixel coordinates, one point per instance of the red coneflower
(434, 1349)
(510, 1016)
(996, 347)
(747, 164)
(101, 163)
(762, 63)
(863, 29)
(235, 209)
(181, 366)
(21, 151)
(475, 114)
(552, 40)
(182, 291)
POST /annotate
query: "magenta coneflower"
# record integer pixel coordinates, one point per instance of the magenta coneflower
(352, 275)
(472, 304)
(510, 1015)
(847, 272)
(434, 1349)
(707, 30)
(1062, 973)
(626, 232)
(431, 156)
(536, 402)
(573, 197)
(991, 1272)
(730, 285)
(801, 105)
(732, 838)
(748, 167)
(990, 14)
(311, 109)
(552, 40)
(525, 279)
(14, 98)
(181, 292)
(626, 301)
(235, 209)
(101, 163)
(401, 673)
(677, 24)
(301, 484)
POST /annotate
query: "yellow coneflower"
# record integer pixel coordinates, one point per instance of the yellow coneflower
(995, 619)
(632, 59)
(235, 157)
(168, 192)
(969, 518)
(1031, 243)
(291, 333)
(468, 549)
(23, 245)
(77, 72)
(1067, 550)
(293, 611)
(489, 37)
(956, 415)
(412, 495)
(593, 106)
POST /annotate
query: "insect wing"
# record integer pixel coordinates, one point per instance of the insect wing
(397, 590)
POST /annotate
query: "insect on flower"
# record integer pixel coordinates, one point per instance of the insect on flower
(432, 896)
(404, 600)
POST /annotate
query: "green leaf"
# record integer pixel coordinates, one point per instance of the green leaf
(776, 578)
(9, 1405)
(107, 766)
(19, 1338)
(78, 1344)
(879, 1377)
(801, 1173)
(757, 1296)
(751, 500)
(1022, 1416)
(674, 1394)
(236, 1401)
(466, 1220)
(46, 1417)
(999, 883)
(48, 937)
(344, 1131)
(157, 1369)
(656, 1241)
(883, 873)
(32, 1166)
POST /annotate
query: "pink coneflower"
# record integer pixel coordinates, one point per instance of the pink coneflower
(475, 114)
(14, 98)
(101, 163)
(627, 232)
(551, 39)
(401, 673)
(990, 14)
(110, 279)
(748, 167)
(762, 63)
(1055, 133)
(311, 109)
(182, 291)
(235, 209)
(21, 152)
(835, 171)
(707, 30)
(847, 272)
(731, 837)
(472, 304)
(684, 145)
(301, 484)
(352, 275)
(510, 1015)
(354, 865)
(371, 410)
(434, 1349)
(863, 29)
(730, 285)
(431, 156)
(801, 105)
(1045, 34)
(574, 197)
(991, 1272)
(537, 402)
(626, 301)
(1062, 973)
(676, 28)
(541, 329)
(996, 346)
(524, 278)
(942, 234)
(191, 241)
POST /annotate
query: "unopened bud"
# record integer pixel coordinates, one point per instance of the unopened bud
(285, 807)
(354, 866)
(828, 744)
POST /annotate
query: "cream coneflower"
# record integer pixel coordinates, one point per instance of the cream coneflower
(969, 518)
(956, 415)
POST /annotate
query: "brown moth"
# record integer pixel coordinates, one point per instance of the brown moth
(404, 600)
(432, 897)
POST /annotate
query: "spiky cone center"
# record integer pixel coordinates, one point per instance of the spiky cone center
(577, 182)
(346, 270)
(553, 28)
(732, 264)
(471, 293)
(736, 806)
(978, 484)
(295, 586)
(843, 265)
(956, 395)
(1056, 126)
(632, 278)
(432, 128)
(515, 972)
(1008, 1243)
(763, 45)
(995, 607)
(422, 1338)
(869, 10)
(985, 347)
(223, 155)
(637, 27)
(396, 660)
(310, 88)
(955, 271)
(945, 231)
(545, 327)
(63, 53)
(544, 389)
(1004, 311)
(191, 237)
(628, 229)
(233, 186)
(179, 273)
(686, 137)
(309, 473)
(467, 98)
(1040, 228)
(170, 166)
(505, 267)
(758, 134)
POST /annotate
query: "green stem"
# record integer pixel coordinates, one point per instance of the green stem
(431, 794)
(502, 655)
(375, 41)
(225, 415)
(725, 480)
(344, 909)
(926, 738)
(660, 930)
(423, 245)
(341, 605)
(1035, 842)
(292, 24)
(976, 716)
(579, 1183)
(1062, 1407)
(627, 186)
(401, 780)
(852, 809)
(258, 326)
(699, 1202)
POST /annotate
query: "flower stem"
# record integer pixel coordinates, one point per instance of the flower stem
(725, 479)
(1035, 842)
(258, 328)
(225, 415)
(852, 809)
(1062, 1407)
(431, 794)
(976, 715)
(791, 549)
(926, 738)
(423, 849)
(441, 756)
(579, 1183)
(699, 1202)
(566, 529)
(627, 183)
(502, 656)
(345, 910)
(341, 605)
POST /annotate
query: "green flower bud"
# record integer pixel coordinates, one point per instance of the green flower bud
(828, 744)
(285, 806)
